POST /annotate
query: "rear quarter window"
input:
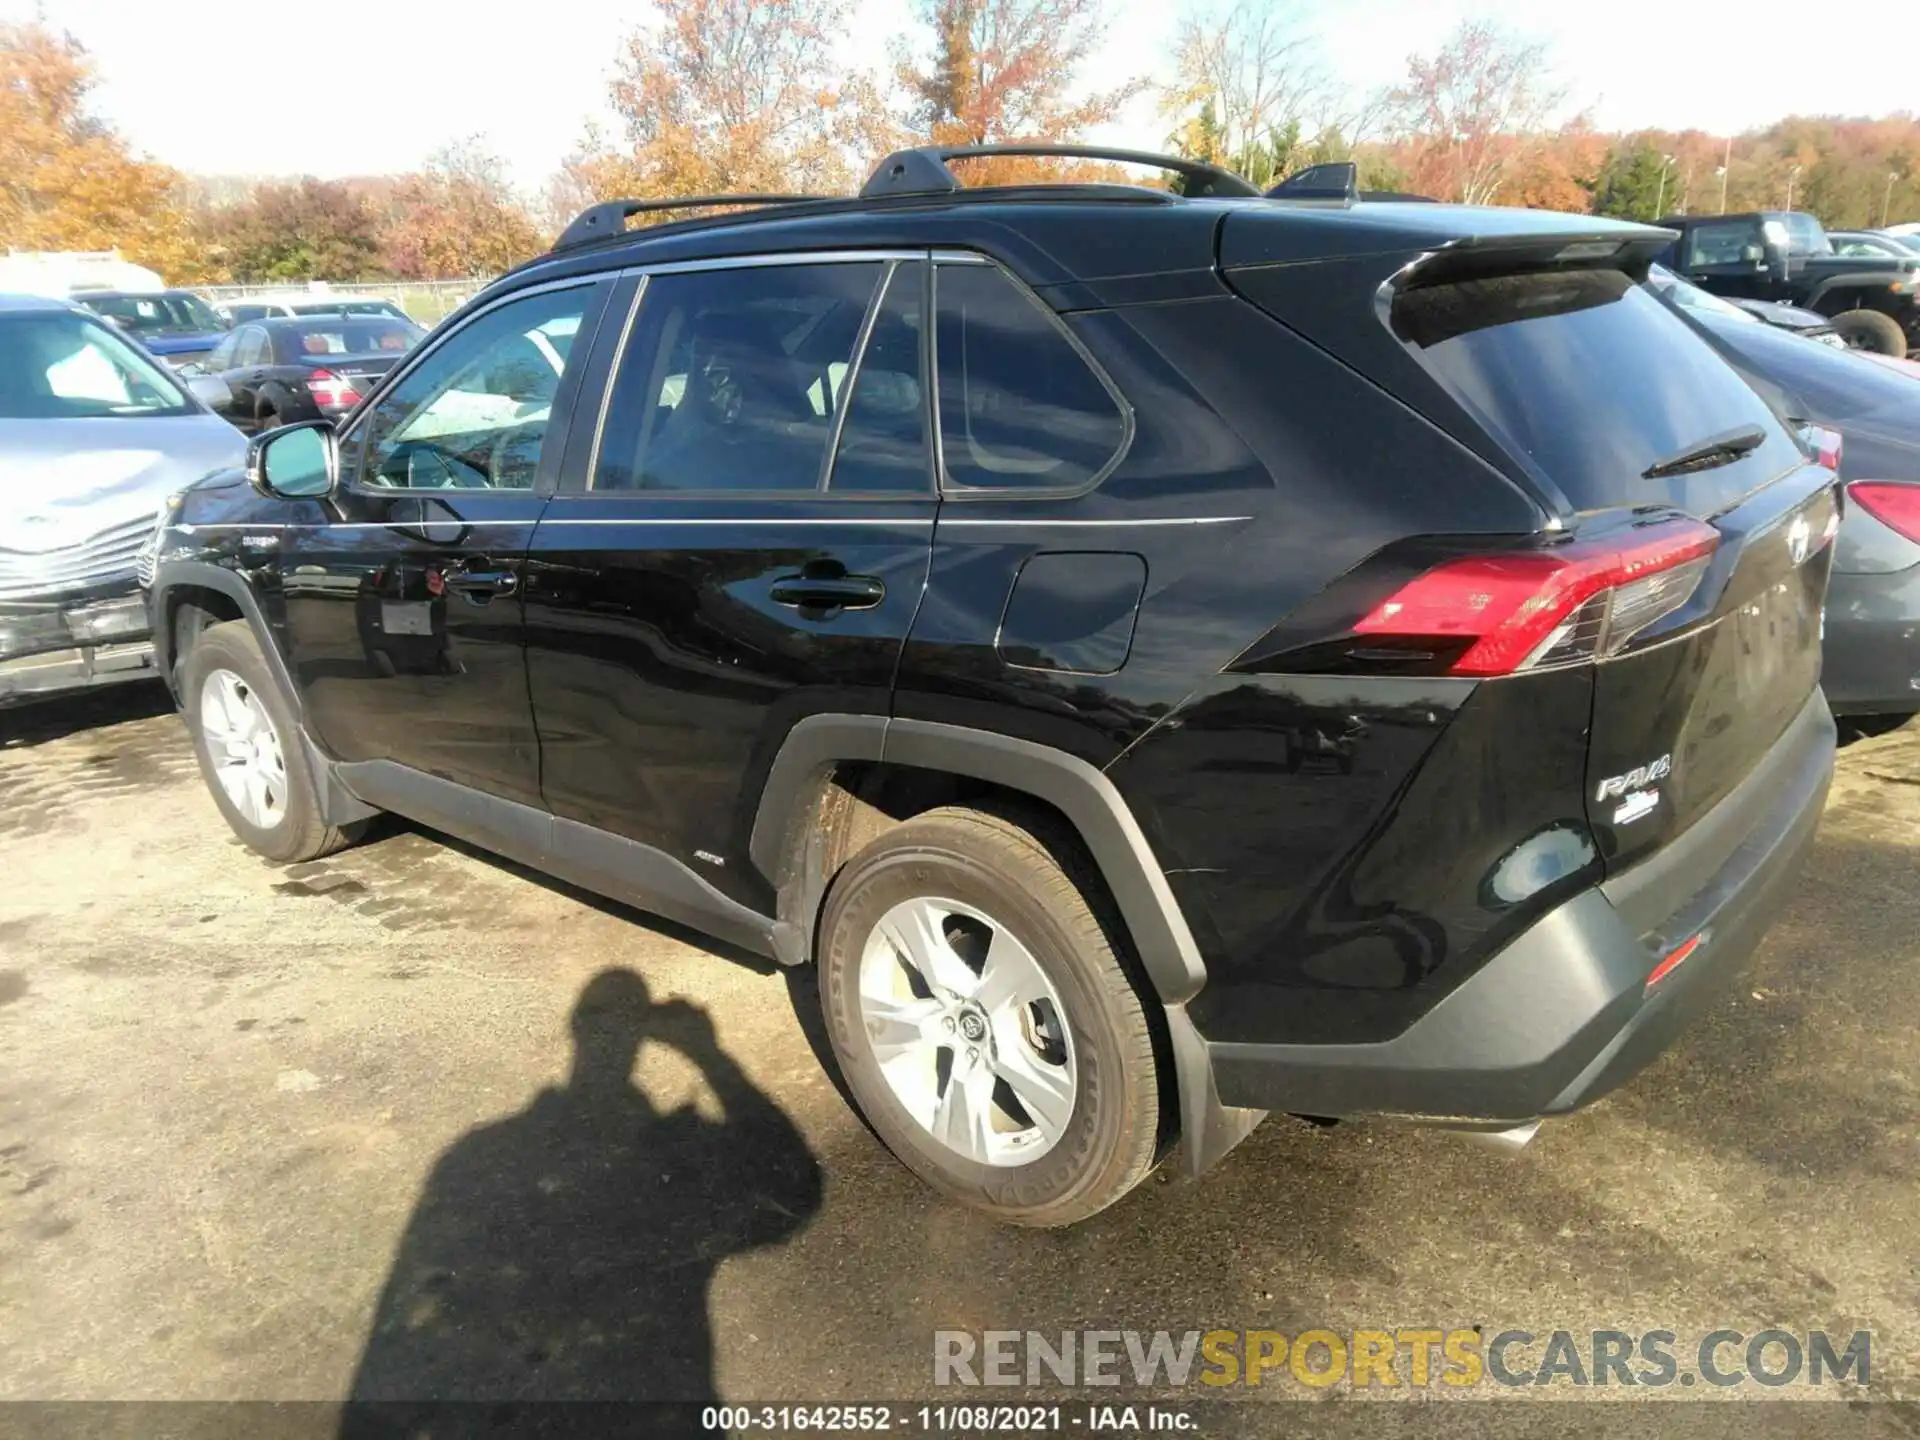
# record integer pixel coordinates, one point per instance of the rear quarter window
(1588, 381)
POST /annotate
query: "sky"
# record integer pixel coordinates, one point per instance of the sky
(380, 88)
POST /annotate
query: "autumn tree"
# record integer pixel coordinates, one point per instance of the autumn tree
(1005, 70)
(721, 96)
(306, 230)
(456, 219)
(67, 181)
(1474, 113)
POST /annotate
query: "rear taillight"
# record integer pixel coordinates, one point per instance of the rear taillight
(1893, 504)
(331, 389)
(1528, 609)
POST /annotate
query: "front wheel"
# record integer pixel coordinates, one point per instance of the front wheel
(984, 1022)
(1870, 330)
(246, 742)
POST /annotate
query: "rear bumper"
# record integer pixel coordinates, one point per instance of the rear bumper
(1870, 660)
(1564, 1013)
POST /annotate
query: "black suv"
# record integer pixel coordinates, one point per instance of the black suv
(1784, 255)
(1164, 657)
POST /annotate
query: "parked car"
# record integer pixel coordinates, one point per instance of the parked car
(93, 434)
(268, 308)
(1873, 300)
(176, 325)
(314, 367)
(1873, 242)
(1807, 324)
(1871, 662)
(927, 585)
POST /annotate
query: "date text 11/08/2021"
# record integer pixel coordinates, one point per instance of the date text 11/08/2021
(949, 1419)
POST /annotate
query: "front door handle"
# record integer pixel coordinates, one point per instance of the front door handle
(828, 592)
(480, 586)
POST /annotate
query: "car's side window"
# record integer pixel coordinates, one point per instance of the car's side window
(222, 356)
(884, 440)
(1020, 406)
(1720, 244)
(251, 347)
(731, 378)
(473, 414)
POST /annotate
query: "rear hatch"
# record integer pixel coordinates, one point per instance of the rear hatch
(1698, 522)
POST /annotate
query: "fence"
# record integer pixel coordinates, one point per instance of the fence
(426, 300)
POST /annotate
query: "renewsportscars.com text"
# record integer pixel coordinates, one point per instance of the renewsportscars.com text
(1410, 1358)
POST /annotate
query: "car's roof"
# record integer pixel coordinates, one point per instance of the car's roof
(297, 322)
(35, 304)
(1058, 235)
(172, 293)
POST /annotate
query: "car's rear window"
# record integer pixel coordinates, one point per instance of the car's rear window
(1589, 381)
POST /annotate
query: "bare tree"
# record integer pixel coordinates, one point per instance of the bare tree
(1250, 86)
(1475, 112)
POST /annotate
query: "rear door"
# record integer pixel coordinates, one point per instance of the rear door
(741, 540)
(1584, 378)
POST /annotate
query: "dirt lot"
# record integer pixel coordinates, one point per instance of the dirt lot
(372, 1125)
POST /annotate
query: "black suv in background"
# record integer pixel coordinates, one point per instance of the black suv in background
(1166, 658)
(1784, 255)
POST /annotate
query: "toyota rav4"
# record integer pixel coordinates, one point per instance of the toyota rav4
(1166, 657)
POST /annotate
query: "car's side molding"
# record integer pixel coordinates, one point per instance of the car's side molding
(595, 859)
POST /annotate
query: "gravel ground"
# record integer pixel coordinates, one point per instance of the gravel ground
(374, 1126)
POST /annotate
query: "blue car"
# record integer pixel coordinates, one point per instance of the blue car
(176, 325)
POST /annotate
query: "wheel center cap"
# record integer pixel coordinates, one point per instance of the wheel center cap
(972, 1026)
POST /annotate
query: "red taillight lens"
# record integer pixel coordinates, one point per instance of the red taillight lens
(1531, 608)
(1893, 504)
(331, 389)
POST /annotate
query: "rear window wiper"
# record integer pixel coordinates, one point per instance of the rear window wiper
(1714, 450)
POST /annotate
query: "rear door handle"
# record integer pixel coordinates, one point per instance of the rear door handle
(480, 586)
(839, 592)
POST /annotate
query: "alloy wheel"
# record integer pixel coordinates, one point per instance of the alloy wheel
(244, 749)
(968, 1031)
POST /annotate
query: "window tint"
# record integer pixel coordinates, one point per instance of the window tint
(1588, 378)
(1019, 407)
(883, 441)
(1721, 243)
(731, 378)
(474, 413)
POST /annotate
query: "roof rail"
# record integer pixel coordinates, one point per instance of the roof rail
(1335, 180)
(923, 169)
(610, 217)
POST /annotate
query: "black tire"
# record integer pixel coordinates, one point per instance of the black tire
(1870, 330)
(299, 833)
(990, 863)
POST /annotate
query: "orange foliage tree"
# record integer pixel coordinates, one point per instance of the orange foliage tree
(67, 181)
(456, 219)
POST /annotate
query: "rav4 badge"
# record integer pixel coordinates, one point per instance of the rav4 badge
(1615, 785)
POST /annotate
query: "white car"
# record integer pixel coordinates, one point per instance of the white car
(270, 307)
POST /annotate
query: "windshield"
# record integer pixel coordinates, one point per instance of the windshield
(158, 314)
(1804, 235)
(64, 367)
(345, 336)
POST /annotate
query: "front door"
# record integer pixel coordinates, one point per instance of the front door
(403, 615)
(745, 546)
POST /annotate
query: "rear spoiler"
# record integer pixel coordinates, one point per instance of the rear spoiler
(1478, 256)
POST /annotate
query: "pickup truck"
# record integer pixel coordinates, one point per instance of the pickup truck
(1873, 301)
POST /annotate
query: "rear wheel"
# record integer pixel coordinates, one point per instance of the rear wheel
(246, 742)
(984, 1023)
(1870, 330)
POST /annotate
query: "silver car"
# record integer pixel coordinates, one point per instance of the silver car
(94, 436)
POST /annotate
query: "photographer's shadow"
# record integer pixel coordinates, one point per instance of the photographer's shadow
(564, 1253)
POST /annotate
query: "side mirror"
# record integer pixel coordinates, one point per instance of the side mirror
(295, 462)
(210, 390)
